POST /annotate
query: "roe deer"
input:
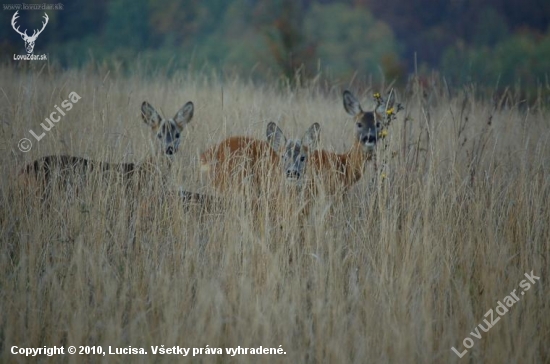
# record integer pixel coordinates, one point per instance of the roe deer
(338, 172)
(241, 160)
(66, 171)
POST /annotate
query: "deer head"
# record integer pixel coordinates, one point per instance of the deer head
(370, 124)
(167, 130)
(294, 152)
(29, 41)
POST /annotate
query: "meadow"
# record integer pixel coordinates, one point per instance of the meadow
(402, 268)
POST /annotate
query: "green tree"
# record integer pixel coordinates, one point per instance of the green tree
(349, 39)
(520, 58)
(127, 25)
(233, 43)
(281, 23)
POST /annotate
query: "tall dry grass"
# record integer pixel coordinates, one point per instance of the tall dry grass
(400, 270)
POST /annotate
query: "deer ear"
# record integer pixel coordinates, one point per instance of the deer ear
(275, 136)
(150, 116)
(351, 105)
(185, 114)
(312, 136)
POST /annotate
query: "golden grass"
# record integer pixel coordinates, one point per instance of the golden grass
(400, 270)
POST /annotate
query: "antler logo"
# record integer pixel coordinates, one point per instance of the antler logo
(29, 41)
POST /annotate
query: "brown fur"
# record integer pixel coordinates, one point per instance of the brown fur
(338, 172)
(238, 160)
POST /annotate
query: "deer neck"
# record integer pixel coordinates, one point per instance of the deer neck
(353, 163)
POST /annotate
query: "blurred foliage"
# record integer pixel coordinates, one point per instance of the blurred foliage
(127, 25)
(363, 45)
(497, 40)
(234, 43)
(518, 59)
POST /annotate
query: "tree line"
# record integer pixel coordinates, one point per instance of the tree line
(504, 41)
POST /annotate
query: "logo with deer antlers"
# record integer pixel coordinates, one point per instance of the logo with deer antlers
(29, 40)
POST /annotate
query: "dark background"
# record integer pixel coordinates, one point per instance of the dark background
(492, 42)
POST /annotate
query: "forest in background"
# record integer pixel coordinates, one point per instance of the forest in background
(497, 43)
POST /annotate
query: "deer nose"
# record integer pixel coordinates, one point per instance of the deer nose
(369, 139)
(292, 174)
(170, 150)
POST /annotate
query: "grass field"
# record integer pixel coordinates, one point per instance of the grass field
(401, 269)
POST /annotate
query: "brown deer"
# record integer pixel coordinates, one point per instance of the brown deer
(338, 172)
(244, 161)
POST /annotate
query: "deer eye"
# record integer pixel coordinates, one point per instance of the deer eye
(359, 125)
(177, 135)
(302, 158)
